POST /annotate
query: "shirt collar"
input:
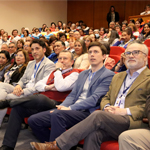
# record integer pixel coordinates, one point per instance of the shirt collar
(136, 72)
(63, 71)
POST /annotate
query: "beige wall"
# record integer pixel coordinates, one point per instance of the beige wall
(16, 14)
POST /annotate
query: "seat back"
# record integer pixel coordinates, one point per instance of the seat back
(115, 57)
(147, 42)
(116, 50)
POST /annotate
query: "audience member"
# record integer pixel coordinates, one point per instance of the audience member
(20, 44)
(118, 29)
(147, 10)
(28, 39)
(124, 25)
(125, 38)
(1, 32)
(53, 26)
(85, 28)
(59, 24)
(43, 28)
(134, 30)
(112, 25)
(63, 38)
(122, 108)
(82, 101)
(4, 40)
(48, 33)
(52, 41)
(93, 37)
(91, 31)
(146, 35)
(81, 55)
(73, 27)
(71, 45)
(4, 63)
(58, 47)
(102, 34)
(112, 15)
(139, 26)
(37, 34)
(4, 47)
(14, 37)
(76, 35)
(28, 49)
(87, 40)
(12, 76)
(12, 49)
(81, 31)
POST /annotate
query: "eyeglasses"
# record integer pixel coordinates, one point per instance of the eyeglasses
(25, 45)
(16, 55)
(11, 47)
(134, 53)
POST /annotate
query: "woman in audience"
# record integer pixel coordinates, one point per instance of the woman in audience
(112, 15)
(52, 41)
(87, 41)
(67, 30)
(12, 76)
(118, 29)
(138, 26)
(112, 37)
(20, 44)
(4, 63)
(125, 39)
(102, 34)
(48, 33)
(81, 31)
(93, 37)
(71, 45)
(91, 31)
(53, 27)
(59, 25)
(37, 34)
(1, 32)
(124, 25)
(134, 30)
(146, 35)
(80, 55)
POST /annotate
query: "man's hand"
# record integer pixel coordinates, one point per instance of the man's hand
(18, 90)
(49, 87)
(12, 37)
(62, 107)
(116, 110)
(59, 65)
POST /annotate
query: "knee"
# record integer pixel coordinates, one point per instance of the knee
(56, 114)
(97, 113)
(32, 120)
(122, 137)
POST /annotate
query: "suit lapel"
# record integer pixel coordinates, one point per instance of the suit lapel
(141, 78)
(119, 83)
(41, 65)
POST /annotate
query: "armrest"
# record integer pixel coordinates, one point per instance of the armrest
(145, 120)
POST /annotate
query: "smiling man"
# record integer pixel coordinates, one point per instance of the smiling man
(122, 108)
(84, 99)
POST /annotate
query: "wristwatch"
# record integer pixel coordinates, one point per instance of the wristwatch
(59, 69)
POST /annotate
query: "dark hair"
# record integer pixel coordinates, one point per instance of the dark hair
(101, 46)
(140, 20)
(38, 41)
(125, 24)
(62, 34)
(52, 38)
(133, 21)
(103, 29)
(110, 9)
(128, 30)
(21, 41)
(42, 37)
(27, 32)
(83, 24)
(25, 53)
(106, 44)
(37, 29)
(53, 23)
(6, 53)
(118, 26)
(84, 50)
(149, 31)
(62, 43)
(113, 36)
(67, 28)
(60, 22)
(14, 30)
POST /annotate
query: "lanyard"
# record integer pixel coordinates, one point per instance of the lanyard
(36, 69)
(124, 90)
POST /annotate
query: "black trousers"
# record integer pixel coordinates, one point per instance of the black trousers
(100, 126)
(31, 105)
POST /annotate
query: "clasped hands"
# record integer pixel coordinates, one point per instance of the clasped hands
(116, 110)
(18, 90)
(59, 107)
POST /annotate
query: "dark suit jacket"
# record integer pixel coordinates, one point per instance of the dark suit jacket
(135, 99)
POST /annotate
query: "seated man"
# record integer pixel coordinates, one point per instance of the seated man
(56, 85)
(84, 99)
(36, 70)
(4, 39)
(137, 139)
(12, 48)
(147, 10)
(122, 108)
(14, 37)
(4, 47)
(58, 47)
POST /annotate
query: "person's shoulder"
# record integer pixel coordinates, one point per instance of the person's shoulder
(107, 72)
(48, 61)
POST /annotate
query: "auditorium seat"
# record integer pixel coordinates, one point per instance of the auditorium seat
(116, 50)
(147, 42)
(115, 57)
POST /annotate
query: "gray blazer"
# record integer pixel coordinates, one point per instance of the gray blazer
(45, 68)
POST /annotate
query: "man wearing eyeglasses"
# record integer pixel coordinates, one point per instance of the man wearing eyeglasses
(122, 108)
(12, 49)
